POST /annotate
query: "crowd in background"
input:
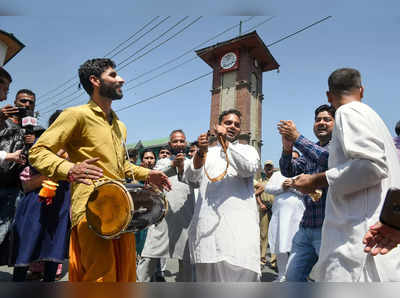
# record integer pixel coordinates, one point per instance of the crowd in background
(317, 206)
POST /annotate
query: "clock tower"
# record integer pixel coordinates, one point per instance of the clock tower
(238, 65)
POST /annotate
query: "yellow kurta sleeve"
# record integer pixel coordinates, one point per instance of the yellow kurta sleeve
(140, 173)
(42, 155)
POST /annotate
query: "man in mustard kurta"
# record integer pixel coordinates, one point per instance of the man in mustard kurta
(94, 138)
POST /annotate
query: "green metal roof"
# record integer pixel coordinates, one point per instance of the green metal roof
(150, 143)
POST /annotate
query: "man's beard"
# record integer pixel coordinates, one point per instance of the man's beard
(109, 91)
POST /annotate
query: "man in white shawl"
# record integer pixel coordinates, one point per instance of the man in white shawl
(224, 236)
(362, 166)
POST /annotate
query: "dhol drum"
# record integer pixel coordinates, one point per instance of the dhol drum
(115, 208)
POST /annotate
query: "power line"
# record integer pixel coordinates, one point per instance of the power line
(64, 103)
(186, 52)
(130, 37)
(189, 60)
(157, 46)
(259, 24)
(59, 93)
(298, 31)
(144, 34)
(157, 38)
(69, 80)
(160, 74)
(180, 21)
(164, 92)
(172, 60)
(204, 75)
(160, 44)
(58, 87)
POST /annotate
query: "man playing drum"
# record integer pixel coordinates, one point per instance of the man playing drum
(94, 138)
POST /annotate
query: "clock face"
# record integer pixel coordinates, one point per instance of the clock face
(228, 60)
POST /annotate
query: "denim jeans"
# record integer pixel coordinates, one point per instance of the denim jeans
(8, 199)
(304, 254)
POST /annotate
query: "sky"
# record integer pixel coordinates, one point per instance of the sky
(59, 39)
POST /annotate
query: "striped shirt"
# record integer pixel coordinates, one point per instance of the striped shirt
(314, 159)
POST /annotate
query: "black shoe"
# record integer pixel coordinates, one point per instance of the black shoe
(272, 267)
(159, 278)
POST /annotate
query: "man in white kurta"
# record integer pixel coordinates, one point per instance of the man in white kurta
(224, 236)
(362, 166)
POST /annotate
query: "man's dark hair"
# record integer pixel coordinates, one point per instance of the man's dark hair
(147, 150)
(344, 80)
(93, 67)
(175, 131)
(4, 75)
(26, 91)
(132, 153)
(227, 112)
(397, 128)
(331, 110)
(195, 143)
(54, 116)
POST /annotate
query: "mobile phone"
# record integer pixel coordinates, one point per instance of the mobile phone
(390, 214)
(21, 111)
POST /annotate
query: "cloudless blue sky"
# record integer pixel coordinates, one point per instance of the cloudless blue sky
(57, 43)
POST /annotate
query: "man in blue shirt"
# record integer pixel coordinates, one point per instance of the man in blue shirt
(314, 159)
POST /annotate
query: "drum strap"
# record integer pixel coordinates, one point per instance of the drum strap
(127, 156)
(225, 148)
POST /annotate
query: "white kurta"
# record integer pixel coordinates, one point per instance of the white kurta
(170, 237)
(225, 225)
(363, 164)
(287, 212)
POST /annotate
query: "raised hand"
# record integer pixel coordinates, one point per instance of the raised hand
(288, 130)
(160, 180)
(179, 161)
(9, 110)
(203, 143)
(17, 157)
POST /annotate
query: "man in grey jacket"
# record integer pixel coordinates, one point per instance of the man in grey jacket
(170, 238)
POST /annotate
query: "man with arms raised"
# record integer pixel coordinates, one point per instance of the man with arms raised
(224, 236)
(94, 138)
(363, 164)
(307, 240)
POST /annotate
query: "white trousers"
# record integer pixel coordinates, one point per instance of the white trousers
(224, 272)
(148, 266)
(281, 262)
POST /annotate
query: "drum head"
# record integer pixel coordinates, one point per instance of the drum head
(109, 209)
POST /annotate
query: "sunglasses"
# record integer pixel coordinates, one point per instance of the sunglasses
(25, 100)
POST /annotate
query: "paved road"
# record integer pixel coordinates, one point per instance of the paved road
(170, 274)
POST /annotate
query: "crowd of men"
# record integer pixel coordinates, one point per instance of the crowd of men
(319, 212)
